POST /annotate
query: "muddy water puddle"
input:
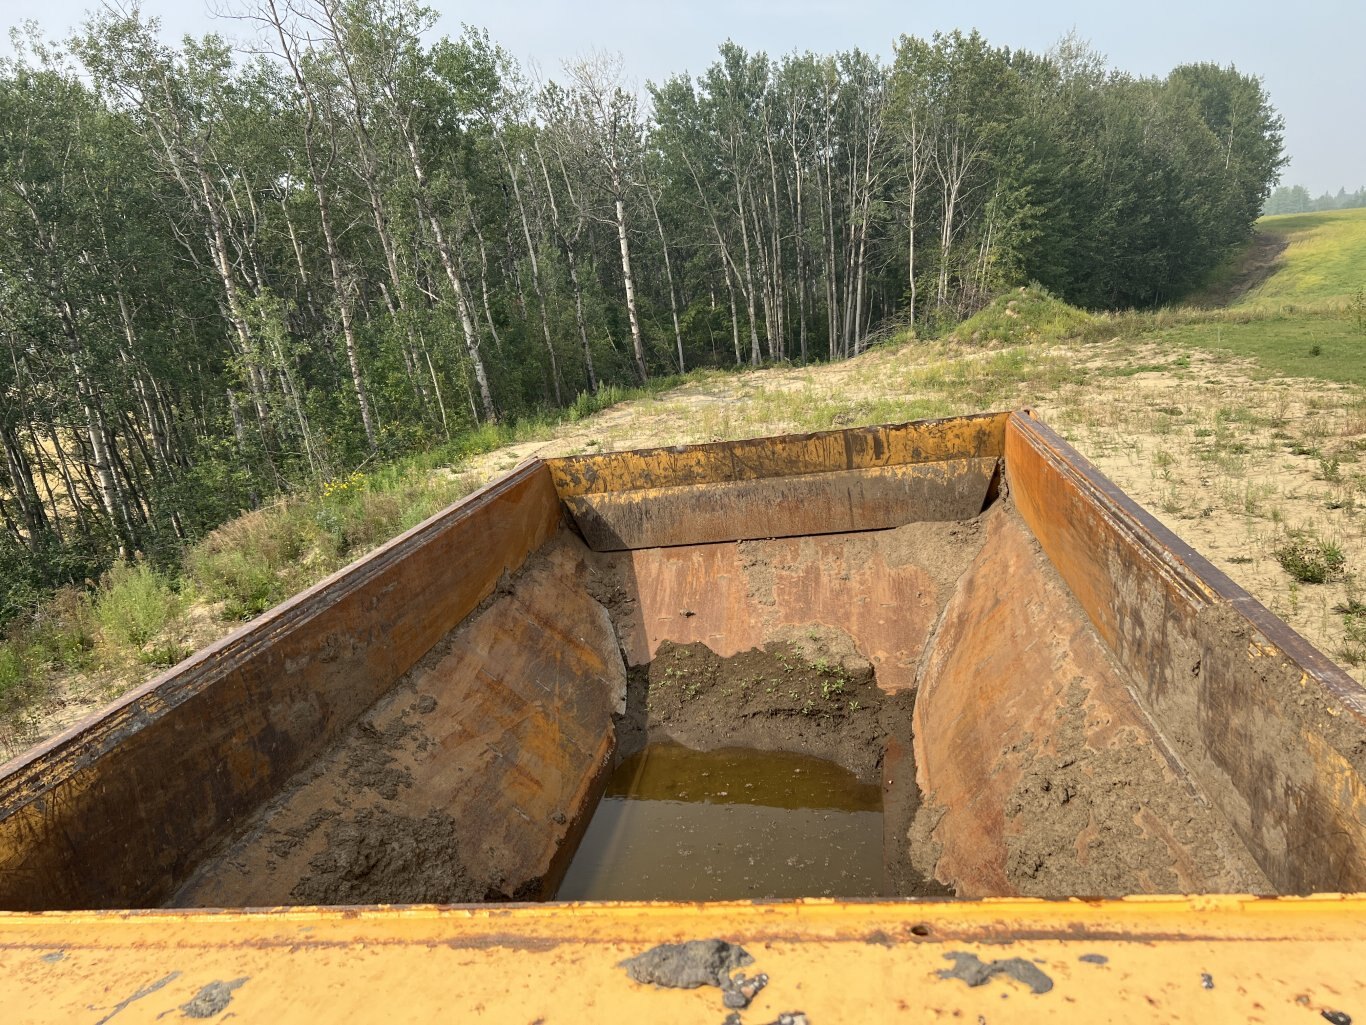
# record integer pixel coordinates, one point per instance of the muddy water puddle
(729, 824)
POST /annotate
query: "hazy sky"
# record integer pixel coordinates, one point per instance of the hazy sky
(1309, 53)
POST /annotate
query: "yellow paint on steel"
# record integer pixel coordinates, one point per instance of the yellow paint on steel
(857, 448)
(1148, 959)
(839, 501)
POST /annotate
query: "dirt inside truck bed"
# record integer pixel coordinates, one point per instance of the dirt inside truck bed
(1032, 772)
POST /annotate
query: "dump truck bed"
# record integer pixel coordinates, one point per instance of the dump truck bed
(1070, 704)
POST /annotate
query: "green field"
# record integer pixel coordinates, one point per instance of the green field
(1323, 264)
(1323, 346)
(1306, 319)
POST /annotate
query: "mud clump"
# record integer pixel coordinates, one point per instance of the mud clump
(380, 857)
(688, 965)
(699, 963)
(211, 1000)
(976, 972)
(771, 699)
(370, 761)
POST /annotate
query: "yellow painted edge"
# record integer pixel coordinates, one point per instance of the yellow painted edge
(1146, 959)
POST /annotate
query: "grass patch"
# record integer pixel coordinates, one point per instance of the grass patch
(1323, 346)
(1025, 315)
(1310, 559)
(1321, 264)
(61, 638)
(135, 604)
(15, 672)
(259, 559)
(254, 562)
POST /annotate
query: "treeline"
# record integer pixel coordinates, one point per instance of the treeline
(226, 275)
(1295, 199)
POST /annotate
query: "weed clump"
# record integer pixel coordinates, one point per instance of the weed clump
(1310, 559)
(250, 563)
(15, 671)
(1029, 314)
(1352, 650)
(135, 605)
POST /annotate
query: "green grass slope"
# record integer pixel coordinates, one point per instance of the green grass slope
(1305, 317)
(1324, 261)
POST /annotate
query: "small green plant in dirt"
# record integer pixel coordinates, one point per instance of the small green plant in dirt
(16, 674)
(163, 656)
(134, 605)
(832, 688)
(1353, 613)
(1330, 470)
(1355, 602)
(1344, 499)
(1352, 650)
(1309, 558)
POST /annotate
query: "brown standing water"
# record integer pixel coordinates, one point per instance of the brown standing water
(730, 824)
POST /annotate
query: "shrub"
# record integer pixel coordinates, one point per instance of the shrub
(135, 604)
(1310, 559)
(251, 563)
(14, 671)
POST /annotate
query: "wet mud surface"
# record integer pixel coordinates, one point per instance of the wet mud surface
(730, 824)
(814, 697)
(773, 699)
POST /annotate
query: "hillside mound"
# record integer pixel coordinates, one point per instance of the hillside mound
(1023, 315)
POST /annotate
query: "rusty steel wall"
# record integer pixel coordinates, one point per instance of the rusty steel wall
(857, 448)
(1270, 730)
(115, 812)
(798, 506)
(1040, 773)
(482, 763)
(864, 478)
(883, 590)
